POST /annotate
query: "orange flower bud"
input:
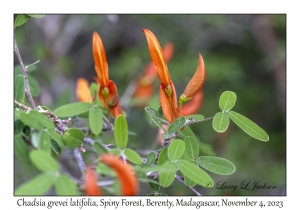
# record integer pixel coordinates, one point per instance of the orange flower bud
(168, 102)
(196, 83)
(100, 59)
(91, 187)
(125, 174)
(157, 58)
(83, 90)
(193, 106)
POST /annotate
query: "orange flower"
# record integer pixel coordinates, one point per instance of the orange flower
(145, 85)
(193, 106)
(125, 173)
(83, 90)
(195, 84)
(168, 98)
(91, 187)
(108, 92)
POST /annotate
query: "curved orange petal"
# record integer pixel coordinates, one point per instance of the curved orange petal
(83, 90)
(125, 173)
(193, 106)
(157, 57)
(91, 187)
(100, 59)
(168, 104)
(197, 80)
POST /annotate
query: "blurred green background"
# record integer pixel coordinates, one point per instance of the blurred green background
(245, 54)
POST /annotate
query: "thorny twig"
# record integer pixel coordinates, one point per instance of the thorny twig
(24, 69)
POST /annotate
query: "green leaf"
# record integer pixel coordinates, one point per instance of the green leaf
(21, 149)
(38, 185)
(188, 182)
(18, 127)
(248, 126)
(152, 112)
(159, 112)
(216, 165)
(133, 156)
(65, 186)
(227, 100)
(95, 120)
(36, 16)
(26, 131)
(155, 187)
(195, 116)
(176, 149)
(176, 125)
(121, 132)
(187, 132)
(167, 177)
(195, 173)
(115, 151)
(44, 142)
(35, 137)
(36, 120)
(99, 148)
(161, 194)
(56, 137)
(21, 19)
(220, 122)
(157, 121)
(150, 159)
(105, 170)
(168, 135)
(55, 147)
(73, 137)
(191, 147)
(34, 86)
(73, 109)
(43, 161)
(94, 87)
(19, 88)
(163, 156)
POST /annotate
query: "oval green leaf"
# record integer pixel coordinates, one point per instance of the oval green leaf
(44, 143)
(167, 177)
(191, 147)
(115, 151)
(155, 187)
(99, 148)
(195, 116)
(36, 16)
(19, 93)
(227, 100)
(163, 156)
(133, 156)
(121, 132)
(65, 186)
(21, 19)
(36, 186)
(159, 112)
(56, 137)
(95, 120)
(152, 112)
(35, 137)
(150, 159)
(168, 135)
(176, 149)
(36, 120)
(195, 173)
(21, 149)
(34, 86)
(187, 132)
(220, 122)
(73, 137)
(216, 165)
(43, 161)
(73, 109)
(248, 126)
(94, 88)
(176, 125)
(55, 147)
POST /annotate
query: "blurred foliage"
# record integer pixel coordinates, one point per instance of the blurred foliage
(242, 53)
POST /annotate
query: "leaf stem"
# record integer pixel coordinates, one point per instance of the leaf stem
(180, 179)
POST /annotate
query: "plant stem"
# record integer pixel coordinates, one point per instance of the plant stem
(180, 179)
(24, 69)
